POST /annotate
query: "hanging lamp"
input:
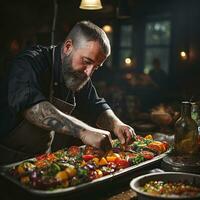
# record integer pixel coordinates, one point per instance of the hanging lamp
(91, 5)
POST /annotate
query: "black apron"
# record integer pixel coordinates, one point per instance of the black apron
(28, 140)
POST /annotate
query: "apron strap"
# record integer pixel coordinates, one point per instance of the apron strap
(52, 77)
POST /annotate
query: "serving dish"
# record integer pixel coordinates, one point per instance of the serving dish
(137, 184)
(121, 171)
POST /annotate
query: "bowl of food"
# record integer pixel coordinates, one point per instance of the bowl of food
(167, 185)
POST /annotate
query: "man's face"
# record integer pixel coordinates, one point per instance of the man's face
(80, 64)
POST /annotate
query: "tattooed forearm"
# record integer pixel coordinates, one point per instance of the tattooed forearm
(107, 120)
(46, 116)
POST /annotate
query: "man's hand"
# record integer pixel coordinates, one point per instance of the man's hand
(97, 138)
(109, 121)
(124, 132)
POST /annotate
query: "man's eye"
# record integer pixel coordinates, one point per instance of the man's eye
(86, 62)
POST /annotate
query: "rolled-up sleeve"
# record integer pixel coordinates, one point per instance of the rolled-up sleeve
(89, 104)
(24, 87)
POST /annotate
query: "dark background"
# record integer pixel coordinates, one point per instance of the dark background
(28, 22)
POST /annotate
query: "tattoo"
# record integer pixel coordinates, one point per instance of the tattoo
(107, 120)
(45, 115)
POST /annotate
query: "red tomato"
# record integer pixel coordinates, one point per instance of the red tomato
(121, 163)
(166, 144)
(147, 155)
(47, 156)
(87, 157)
(41, 163)
(51, 157)
(41, 157)
(73, 150)
(157, 146)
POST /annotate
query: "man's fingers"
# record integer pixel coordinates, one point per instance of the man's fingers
(121, 138)
(130, 133)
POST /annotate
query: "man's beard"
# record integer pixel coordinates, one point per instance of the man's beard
(74, 79)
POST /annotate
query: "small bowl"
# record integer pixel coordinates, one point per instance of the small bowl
(137, 183)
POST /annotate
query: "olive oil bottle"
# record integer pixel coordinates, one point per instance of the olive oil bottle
(195, 114)
(186, 132)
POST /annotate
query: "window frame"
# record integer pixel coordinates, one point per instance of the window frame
(153, 19)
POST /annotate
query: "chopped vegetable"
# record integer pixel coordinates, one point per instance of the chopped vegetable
(87, 157)
(76, 165)
(168, 189)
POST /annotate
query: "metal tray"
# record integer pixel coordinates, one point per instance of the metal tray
(72, 189)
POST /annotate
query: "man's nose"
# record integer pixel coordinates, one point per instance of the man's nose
(89, 70)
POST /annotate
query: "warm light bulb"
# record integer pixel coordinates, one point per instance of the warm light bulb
(128, 61)
(107, 28)
(183, 55)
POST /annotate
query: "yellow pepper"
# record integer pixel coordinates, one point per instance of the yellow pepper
(96, 160)
(111, 158)
(149, 137)
(99, 172)
(71, 171)
(61, 176)
(103, 161)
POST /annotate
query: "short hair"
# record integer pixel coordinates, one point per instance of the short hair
(90, 32)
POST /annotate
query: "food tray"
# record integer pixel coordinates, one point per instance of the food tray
(83, 186)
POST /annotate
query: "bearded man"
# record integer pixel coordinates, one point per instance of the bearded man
(43, 87)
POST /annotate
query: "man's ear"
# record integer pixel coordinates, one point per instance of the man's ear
(68, 46)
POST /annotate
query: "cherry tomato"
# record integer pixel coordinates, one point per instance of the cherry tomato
(51, 157)
(166, 144)
(73, 150)
(41, 163)
(87, 157)
(41, 157)
(121, 163)
(147, 155)
(157, 146)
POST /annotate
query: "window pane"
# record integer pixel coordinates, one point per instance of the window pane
(158, 33)
(126, 32)
(161, 53)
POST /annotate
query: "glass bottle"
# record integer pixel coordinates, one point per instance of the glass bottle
(195, 113)
(186, 133)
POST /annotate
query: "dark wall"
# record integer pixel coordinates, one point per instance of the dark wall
(184, 75)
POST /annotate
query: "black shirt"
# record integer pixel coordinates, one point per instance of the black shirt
(28, 83)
